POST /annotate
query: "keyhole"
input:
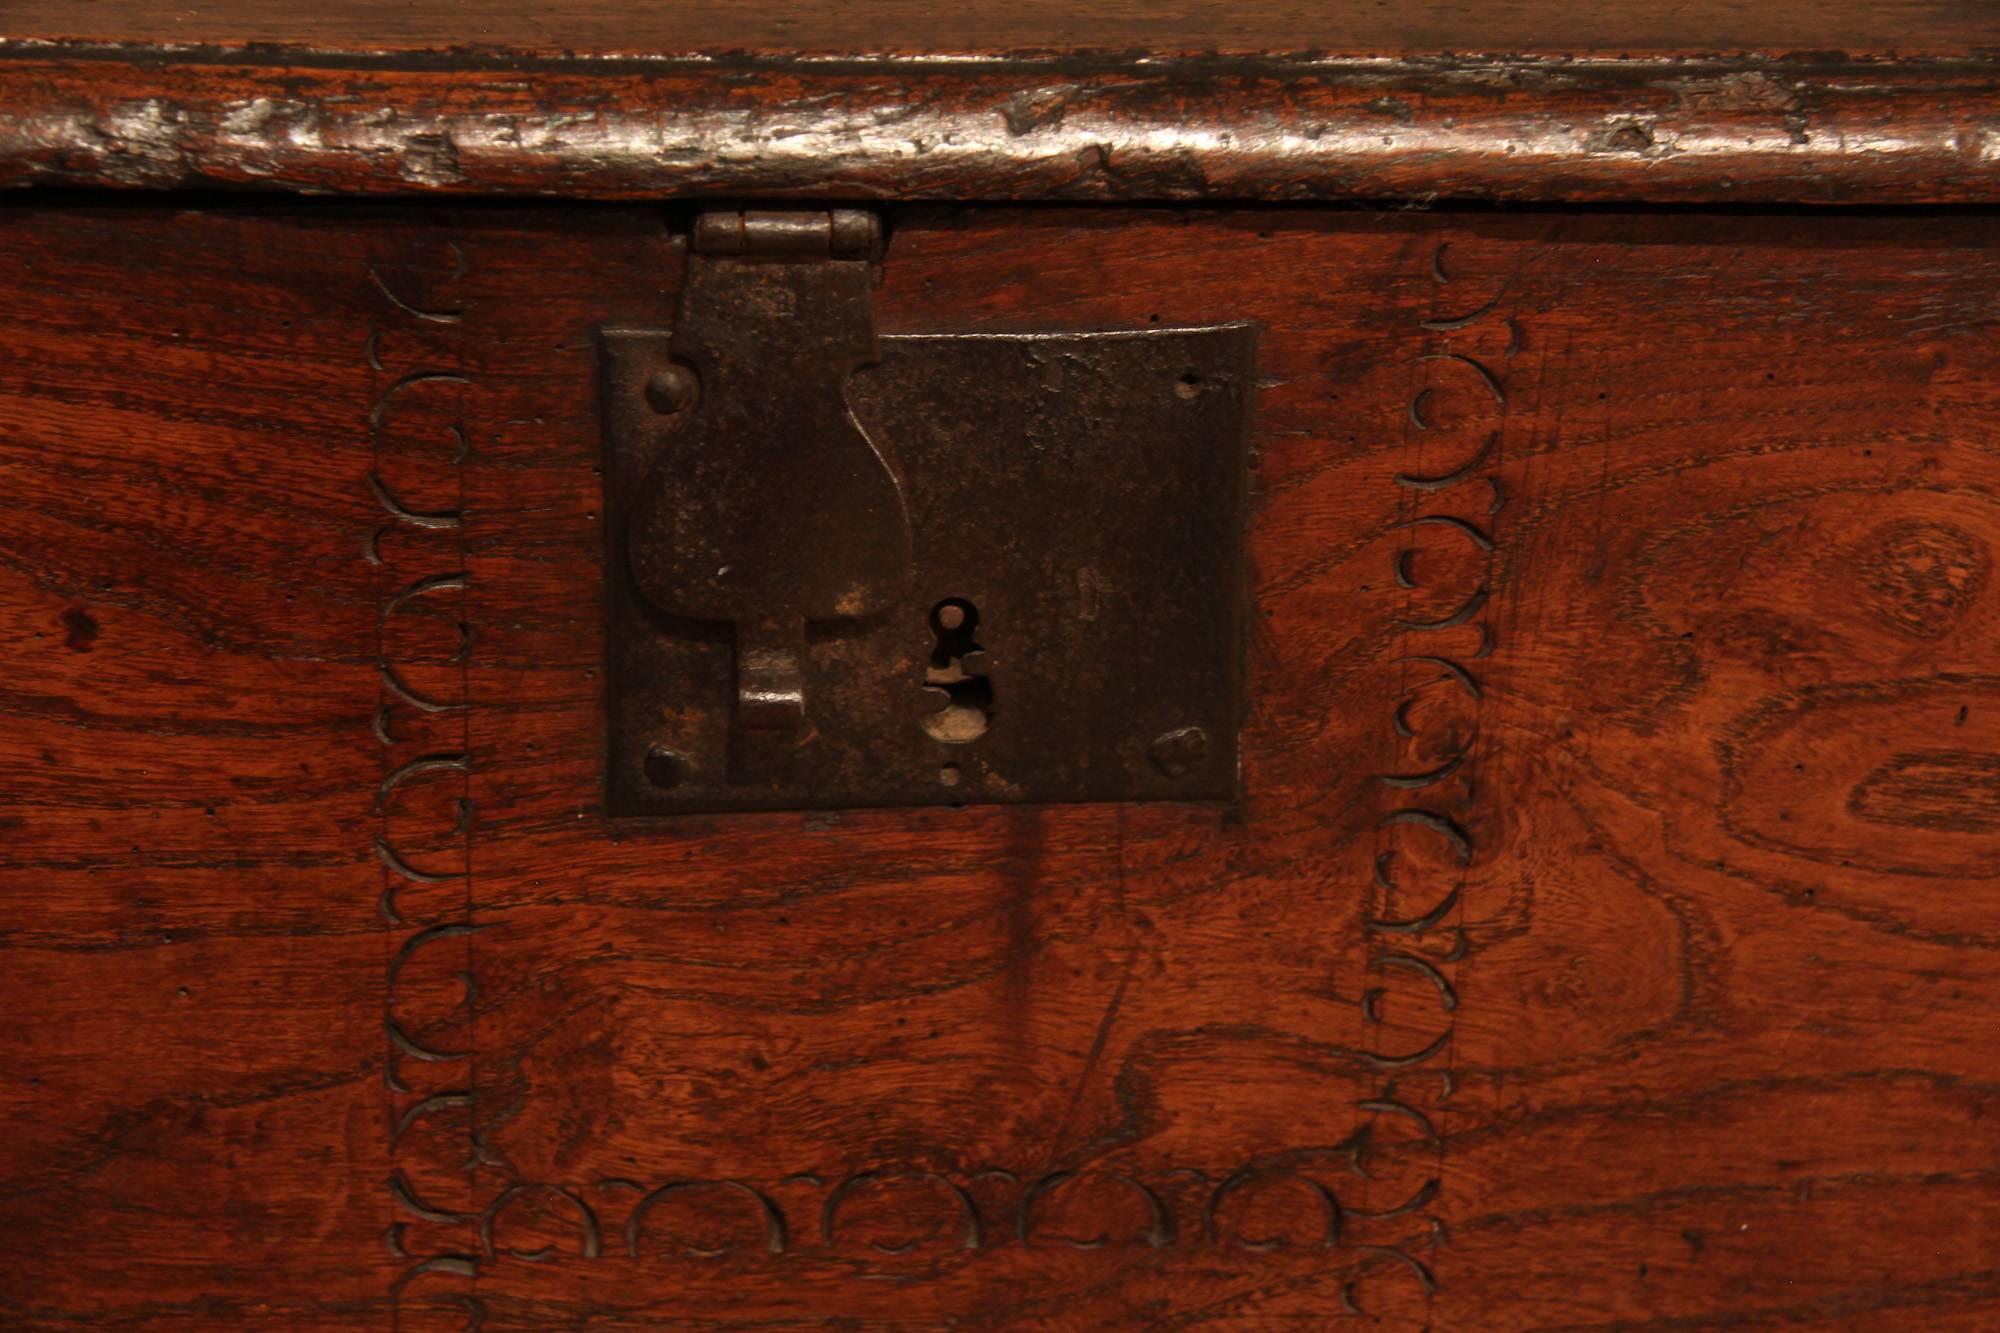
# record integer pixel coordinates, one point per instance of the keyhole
(958, 685)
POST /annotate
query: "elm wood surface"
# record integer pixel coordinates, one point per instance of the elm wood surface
(1903, 28)
(1847, 102)
(228, 577)
(1606, 936)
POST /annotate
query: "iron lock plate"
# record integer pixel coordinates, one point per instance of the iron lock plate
(850, 570)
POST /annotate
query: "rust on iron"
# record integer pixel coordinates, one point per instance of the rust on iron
(770, 507)
(854, 570)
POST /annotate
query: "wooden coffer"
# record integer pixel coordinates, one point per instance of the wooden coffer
(1565, 597)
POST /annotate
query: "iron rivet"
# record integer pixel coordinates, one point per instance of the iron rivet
(665, 769)
(671, 389)
(1178, 753)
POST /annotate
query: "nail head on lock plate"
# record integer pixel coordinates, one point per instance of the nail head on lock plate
(1179, 752)
(665, 768)
(670, 389)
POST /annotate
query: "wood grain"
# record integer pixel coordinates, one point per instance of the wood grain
(193, 1054)
(1137, 124)
(1605, 938)
(1905, 28)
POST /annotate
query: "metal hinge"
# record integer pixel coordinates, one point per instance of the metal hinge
(857, 570)
(843, 233)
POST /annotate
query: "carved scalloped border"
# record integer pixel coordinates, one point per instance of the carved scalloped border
(1413, 927)
(1415, 923)
(414, 353)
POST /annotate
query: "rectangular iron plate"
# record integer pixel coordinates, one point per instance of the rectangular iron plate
(1085, 493)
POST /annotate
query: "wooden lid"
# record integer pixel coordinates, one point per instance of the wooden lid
(1719, 100)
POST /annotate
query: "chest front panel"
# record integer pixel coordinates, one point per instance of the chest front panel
(1600, 916)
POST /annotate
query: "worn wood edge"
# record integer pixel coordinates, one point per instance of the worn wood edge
(1132, 129)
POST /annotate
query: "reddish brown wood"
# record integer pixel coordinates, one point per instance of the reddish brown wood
(202, 586)
(880, 120)
(1905, 28)
(1643, 976)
